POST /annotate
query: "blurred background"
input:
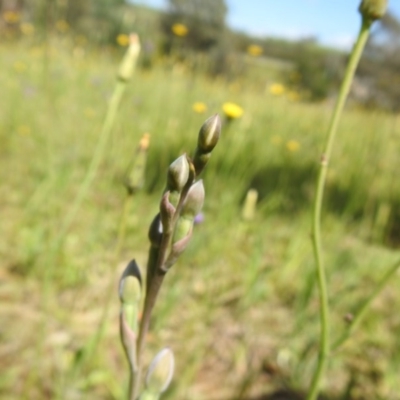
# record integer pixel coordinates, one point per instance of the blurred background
(240, 308)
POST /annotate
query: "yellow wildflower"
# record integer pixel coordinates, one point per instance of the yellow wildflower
(11, 17)
(232, 110)
(62, 26)
(199, 107)
(293, 146)
(254, 50)
(277, 89)
(122, 40)
(179, 30)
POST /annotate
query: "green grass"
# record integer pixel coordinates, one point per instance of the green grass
(240, 308)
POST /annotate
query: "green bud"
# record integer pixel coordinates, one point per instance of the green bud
(161, 371)
(183, 228)
(178, 174)
(129, 294)
(372, 10)
(130, 290)
(192, 206)
(128, 63)
(208, 138)
(209, 134)
(130, 284)
(194, 200)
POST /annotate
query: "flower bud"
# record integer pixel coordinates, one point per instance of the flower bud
(156, 231)
(128, 63)
(194, 200)
(372, 10)
(160, 371)
(209, 134)
(130, 284)
(183, 228)
(178, 174)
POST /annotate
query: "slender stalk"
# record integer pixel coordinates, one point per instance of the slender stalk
(110, 289)
(359, 315)
(152, 290)
(97, 156)
(324, 346)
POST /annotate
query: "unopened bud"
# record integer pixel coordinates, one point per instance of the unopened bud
(128, 63)
(372, 10)
(130, 284)
(161, 371)
(178, 174)
(194, 200)
(209, 134)
(156, 231)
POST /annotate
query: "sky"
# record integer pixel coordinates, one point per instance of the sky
(334, 23)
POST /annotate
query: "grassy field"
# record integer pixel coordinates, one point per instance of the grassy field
(240, 308)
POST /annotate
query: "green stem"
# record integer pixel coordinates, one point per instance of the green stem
(359, 315)
(97, 157)
(316, 235)
(153, 288)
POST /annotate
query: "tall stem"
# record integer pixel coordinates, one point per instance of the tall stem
(324, 346)
(153, 287)
(97, 156)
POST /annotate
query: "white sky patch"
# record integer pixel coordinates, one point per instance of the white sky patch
(289, 33)
(343, 42)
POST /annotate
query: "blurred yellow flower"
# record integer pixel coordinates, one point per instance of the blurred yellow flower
(27, 28)
(122, 40)
(254, 50)
(11, 17)
(62, 26)
(199, 107)
(232, 110)
(293, 146)
(179, 30)
(277, 89)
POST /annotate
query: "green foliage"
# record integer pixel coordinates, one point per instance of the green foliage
(205, 21)
(98, 20)
(379, 73)
(315, 71)
(250, 284)
(205, 32)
